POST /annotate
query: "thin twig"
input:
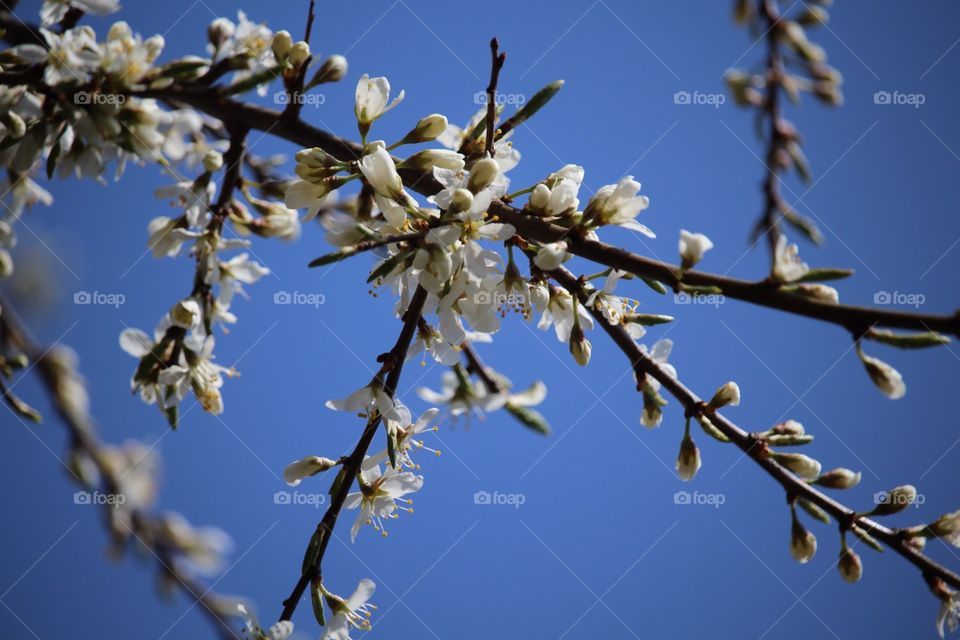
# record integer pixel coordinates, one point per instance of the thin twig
(496, 64)
(793, 485)
(390, 378)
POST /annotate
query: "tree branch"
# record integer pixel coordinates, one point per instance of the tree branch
(793, 485)
(392, 368)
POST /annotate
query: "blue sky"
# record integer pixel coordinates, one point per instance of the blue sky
(598, 548)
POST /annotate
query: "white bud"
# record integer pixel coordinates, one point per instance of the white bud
(282, 42)
(887, 379)
(219, 30)
(427, 129)
(482, 174)
(895, 500)
(461, 200)
(551, 255)
(333, 69)
(804, 466)
(850, 566)
(299, 53)
(6, 264)
(688, 461)
(839, 478)
(305, 467)
(728, 394)
(212, 161)
(185, 314)
(540, 197)
(580, 347)
(803, 544)
(692, 247)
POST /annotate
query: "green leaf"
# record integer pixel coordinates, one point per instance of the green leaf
(338, 481)
(804, 225)
(814, 511)
(908, 340)
(316, 599)
(388, 265)
(655, 285)
(537, 102)
(529, 418)
(786, 440)
(310, 555)
(648, 319)
(821, 275)
(330, 258)
(867, 538)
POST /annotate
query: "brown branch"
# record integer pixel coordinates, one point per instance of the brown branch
(475, 365)
(497, 60)
(769, 223)
(794, 486)
(143, 525)
(392, 368)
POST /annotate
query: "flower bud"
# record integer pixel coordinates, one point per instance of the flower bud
(282, 42)
(887, 379)
(688, 462)
(803, 544)
(728, 394)
(850, 566)
(580, 347)
(333, 69)
(461, 200)
(803, 466)
(430, 158)
(947, 526)
(14, 124)
(692, 247)
(212, 161)
(894, 501)
(817, 292)
(540, 197)
(839, 478)
(305, 467)
(6, 264)
(218, 31)
(482, 174)
(430, 128)
(299, 53)
(185, 314)
(119, 30)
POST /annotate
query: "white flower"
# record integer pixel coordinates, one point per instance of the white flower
(53, 11)
(787, 265)
(301, 194)
(72, 55)
(560, 313)
(405, 430)
(186, 314)
(949, 614)
(619, 204)
(278, 631)
(462, 396)
(692, 247)
(352, 612)
(887, 379)
(380, 171)
(551, 255)
(611, 305)
(365, 400)
(373, 94)
(379, 494)
(200, 374)
(297, 470)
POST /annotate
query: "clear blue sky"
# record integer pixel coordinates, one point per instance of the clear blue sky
(598, 549)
